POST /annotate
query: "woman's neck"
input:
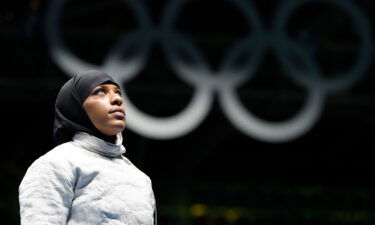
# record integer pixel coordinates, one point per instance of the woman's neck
(110, 139)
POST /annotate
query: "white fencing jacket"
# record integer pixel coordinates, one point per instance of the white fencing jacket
(88, 182)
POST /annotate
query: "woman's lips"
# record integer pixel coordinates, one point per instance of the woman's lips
(118, 113)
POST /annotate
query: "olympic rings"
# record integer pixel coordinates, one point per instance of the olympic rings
(228, 78)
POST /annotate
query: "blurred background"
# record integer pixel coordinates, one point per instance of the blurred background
(241, 112)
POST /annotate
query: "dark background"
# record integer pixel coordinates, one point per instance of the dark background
(216, 174)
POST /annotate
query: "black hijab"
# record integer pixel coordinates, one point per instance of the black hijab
(70, 116)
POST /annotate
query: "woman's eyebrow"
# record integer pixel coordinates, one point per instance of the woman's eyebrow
(95, 89)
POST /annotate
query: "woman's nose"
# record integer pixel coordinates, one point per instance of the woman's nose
(116, 99)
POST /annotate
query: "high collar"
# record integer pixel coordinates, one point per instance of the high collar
(99, 146)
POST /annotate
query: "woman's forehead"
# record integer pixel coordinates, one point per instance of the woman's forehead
(108, 85)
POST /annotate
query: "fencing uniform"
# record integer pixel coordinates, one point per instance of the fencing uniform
(86, 181)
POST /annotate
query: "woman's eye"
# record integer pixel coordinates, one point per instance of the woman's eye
(119, 92)
(98, 91)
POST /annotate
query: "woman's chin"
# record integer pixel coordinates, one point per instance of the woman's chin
(113, 129)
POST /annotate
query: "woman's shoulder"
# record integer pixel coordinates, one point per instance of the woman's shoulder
(68, 152)
(63, 151)
(55, 165)
(63, 154)
(138, 171)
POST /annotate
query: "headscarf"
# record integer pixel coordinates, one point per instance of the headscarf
(70, 116)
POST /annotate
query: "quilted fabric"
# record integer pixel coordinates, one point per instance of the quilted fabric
(86, 181)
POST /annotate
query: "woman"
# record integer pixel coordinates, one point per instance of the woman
(85, 179)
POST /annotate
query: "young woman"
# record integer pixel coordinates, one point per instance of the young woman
(85, 179)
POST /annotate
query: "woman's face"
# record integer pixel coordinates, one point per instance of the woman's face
(105, 108)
